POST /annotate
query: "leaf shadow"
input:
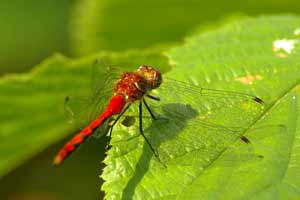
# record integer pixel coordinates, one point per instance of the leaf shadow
(162, 126)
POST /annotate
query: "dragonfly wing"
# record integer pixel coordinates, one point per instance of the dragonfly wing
(83, 108)
(103, 77)
(199, 122)
(222, 108)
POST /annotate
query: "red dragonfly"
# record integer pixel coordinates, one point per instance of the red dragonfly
(138, 85)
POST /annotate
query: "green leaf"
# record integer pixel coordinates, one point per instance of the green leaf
(32, 105)
(119, 25)
(26, 24)
(242, 56)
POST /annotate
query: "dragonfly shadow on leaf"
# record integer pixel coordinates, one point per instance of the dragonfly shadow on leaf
(171, 122)
(167, 126)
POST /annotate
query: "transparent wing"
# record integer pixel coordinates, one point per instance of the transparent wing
(217, 108)
(82, 109)
(200, 122)
(103, 77)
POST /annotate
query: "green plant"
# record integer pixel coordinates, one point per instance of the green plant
(240, 56)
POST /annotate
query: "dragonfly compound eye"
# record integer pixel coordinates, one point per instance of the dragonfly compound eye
(151, 75)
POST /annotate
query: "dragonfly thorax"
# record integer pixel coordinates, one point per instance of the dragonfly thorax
(134, 85)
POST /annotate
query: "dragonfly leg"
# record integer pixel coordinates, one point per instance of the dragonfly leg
(142, 132)
(113, 124)
(153, 97)
(149, 110)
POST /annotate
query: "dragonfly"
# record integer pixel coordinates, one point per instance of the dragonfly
(143, 85)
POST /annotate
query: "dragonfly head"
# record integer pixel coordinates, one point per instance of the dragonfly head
(151, 75)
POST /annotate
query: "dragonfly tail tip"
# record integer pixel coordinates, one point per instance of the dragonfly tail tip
(57, 161)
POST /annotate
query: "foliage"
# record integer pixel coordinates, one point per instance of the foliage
(223, 59)
(240, 56)
(115, 25)
(30, 32)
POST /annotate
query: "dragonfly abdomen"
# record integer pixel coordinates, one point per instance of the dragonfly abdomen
(115, 106)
